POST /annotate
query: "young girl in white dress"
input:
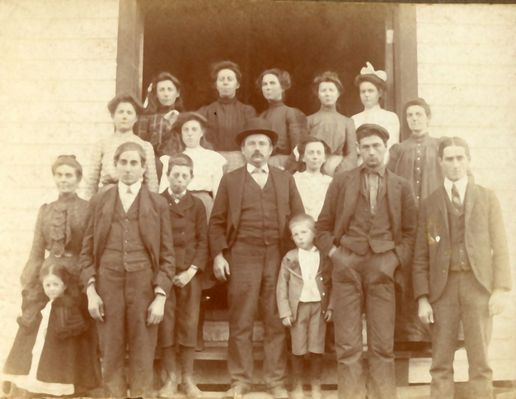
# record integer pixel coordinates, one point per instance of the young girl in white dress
(208, 164)
(311, 183)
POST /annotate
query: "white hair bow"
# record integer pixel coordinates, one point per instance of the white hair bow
(369, 70)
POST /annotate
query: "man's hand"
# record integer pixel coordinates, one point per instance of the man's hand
(287, 321)
(95, 304)
(221, 267)
(332, 251)
(156, 310)
(328, 316)
(425, 311)
(183, 278)
(497, 302)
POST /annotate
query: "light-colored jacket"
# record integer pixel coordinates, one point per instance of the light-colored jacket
(290, 285)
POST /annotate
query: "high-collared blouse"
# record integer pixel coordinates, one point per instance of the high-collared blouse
(417, 160)
(59, 230)
(386, 119)
(337, 130)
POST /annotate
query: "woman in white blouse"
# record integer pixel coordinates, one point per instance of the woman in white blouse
(372, 86)
(208, 164)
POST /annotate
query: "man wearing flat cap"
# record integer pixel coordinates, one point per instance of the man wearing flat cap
(248, 237)
(367, 228)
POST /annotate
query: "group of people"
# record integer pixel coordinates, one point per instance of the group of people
(306, 221)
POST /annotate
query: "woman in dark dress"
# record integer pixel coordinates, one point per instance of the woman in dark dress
(290, 123)
(59, 231)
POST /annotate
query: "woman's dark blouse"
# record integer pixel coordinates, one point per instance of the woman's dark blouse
(59, 230)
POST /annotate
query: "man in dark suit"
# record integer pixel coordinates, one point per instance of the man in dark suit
(247, 233)
(367, 226)
(127, 266)
(460, 271)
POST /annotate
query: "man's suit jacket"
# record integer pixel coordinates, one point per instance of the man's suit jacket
(485, 242)
(340, 203)
(225, 215)
(155, 231)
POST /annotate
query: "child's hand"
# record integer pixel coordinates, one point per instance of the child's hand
(287, 321)
(328, 316)
(183, 278)
(95, 304)
(156, 310)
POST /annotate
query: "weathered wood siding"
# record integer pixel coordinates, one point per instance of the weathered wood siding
(467, 72)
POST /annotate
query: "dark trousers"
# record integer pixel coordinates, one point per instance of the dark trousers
(463, 299)
(364, 283)
(126, 297)
(179, 325)
(252, 284)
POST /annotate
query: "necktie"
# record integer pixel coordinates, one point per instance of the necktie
(455, 198)
(373, 190)
(260, 176)
(127, 199)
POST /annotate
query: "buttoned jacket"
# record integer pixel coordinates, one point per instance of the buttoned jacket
(485, 242)
(190, 231)
(155, 232)
(290, 285)
(227, 208)
(340, 203)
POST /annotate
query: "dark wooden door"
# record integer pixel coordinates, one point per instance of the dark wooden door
(305, 38)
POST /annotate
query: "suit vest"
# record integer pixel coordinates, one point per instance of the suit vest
(457, 223)
(259, 217)
(369, 231)
(125, 249)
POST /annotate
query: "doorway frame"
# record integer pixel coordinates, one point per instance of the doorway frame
(400, 54)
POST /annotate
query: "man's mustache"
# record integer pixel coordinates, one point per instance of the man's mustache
(256, 152)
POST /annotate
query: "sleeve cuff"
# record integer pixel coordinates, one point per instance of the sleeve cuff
(160, 291)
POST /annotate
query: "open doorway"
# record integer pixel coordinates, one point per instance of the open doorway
(304, 38)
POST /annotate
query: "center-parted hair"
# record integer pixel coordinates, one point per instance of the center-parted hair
(283, 78)
(330, 77)
(419, 102)
(124, 98)
(55, 269)
(453, 141)
(180, 160)
(130, 146)
(218, 66)
(69, 160)
(302, 218)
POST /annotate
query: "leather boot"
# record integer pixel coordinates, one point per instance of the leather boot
(187, 384)
(297, 365)
(168, 369)
(315, 374)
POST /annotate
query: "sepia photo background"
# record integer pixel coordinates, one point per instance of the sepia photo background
(61, 61)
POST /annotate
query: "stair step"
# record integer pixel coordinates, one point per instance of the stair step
(218, 331)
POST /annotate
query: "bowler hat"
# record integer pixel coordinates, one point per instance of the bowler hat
(257, 126)
(372, 129)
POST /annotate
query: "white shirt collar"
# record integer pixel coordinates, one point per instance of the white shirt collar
(251, 168)
(135, 187)
(313, 249)
(461, 184)
(174, 196)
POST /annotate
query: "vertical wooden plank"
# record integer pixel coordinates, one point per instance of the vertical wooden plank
(405, 59)
(130, 48)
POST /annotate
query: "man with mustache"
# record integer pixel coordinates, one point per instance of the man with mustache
(248, 236)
